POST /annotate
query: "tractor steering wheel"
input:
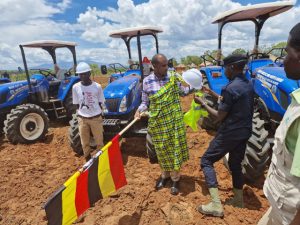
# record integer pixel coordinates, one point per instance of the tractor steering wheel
(209, 58)
(134, 66)
(279, 60)
(68, 73)
(46, 72)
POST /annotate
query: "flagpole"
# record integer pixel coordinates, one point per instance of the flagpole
(129, 125)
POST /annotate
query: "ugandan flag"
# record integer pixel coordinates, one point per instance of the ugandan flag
(101, 176)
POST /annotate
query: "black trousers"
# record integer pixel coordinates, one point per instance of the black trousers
(217, 149)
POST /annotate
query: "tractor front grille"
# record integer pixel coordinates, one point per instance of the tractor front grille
(112, 104)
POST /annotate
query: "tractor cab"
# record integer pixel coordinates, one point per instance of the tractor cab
(123, 93)
(258, 14)
(52, 88)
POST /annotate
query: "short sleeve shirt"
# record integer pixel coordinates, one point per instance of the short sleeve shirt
(292, 139)
(88, 99)
(238, 99)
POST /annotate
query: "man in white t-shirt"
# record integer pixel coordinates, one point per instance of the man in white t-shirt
(89, 97)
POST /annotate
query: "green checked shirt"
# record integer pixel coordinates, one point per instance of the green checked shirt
(292, 140)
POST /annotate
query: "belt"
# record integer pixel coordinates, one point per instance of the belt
(92, 117)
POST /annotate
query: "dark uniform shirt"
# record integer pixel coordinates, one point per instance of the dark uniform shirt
(238, 98)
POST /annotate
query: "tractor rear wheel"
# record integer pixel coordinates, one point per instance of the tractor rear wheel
(26, 124)
(257, 153)
(69, 106)
(151, 150)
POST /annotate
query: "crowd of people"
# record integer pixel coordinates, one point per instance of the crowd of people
(160, 96)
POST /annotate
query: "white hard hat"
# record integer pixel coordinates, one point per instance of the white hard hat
(83, 67)
(193, 77)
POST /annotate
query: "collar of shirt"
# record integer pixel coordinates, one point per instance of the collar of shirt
(296, 95)
(161, 78)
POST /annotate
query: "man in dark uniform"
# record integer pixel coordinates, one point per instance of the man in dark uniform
(235, 111)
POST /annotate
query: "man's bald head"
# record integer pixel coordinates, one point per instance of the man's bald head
(160, 64)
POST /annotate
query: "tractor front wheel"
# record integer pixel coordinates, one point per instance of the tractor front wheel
(74, 137)
(257, 153)
(26, 124)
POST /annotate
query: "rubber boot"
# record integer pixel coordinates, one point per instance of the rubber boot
(237, 200)
(214, 207)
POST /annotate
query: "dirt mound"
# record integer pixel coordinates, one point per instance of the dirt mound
(30, 173)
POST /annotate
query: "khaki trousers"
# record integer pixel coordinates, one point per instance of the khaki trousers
(88, 126)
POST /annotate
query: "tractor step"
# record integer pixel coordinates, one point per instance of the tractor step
(111, 122)
(58, 108)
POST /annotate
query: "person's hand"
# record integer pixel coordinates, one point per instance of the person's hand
(206, 90)
(137, 115)
(199, 100)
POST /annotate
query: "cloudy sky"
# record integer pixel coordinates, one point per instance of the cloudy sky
(186, 24)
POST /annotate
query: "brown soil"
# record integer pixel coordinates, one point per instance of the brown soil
(30, 173)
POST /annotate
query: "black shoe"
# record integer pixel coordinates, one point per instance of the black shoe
(175, 188)
(161, 182)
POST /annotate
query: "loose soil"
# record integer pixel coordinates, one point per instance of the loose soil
(29, 174)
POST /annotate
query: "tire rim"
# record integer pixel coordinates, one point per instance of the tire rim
(32, 126)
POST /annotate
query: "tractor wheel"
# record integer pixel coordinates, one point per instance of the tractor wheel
(74, 137)
(69, 106)
(257, 153)
(26, 124)
(150, 150)
(209, 122)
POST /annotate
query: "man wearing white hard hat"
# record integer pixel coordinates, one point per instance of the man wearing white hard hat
(89, 97)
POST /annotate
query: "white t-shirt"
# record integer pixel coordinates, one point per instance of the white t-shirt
(88, 99)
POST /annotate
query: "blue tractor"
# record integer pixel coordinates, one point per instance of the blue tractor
(123, 93)
(271, 85)
(26, 105)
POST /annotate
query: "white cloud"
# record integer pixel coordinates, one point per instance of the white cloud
(186, 24)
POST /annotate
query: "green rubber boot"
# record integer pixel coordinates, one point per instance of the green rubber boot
(237, 200)
(214, 208)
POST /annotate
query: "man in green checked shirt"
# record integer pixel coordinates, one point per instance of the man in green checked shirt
(161, 97)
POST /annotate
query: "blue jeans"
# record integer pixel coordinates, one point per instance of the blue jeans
(217, 149)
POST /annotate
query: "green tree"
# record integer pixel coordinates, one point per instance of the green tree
(191, 59)
(239, 51)
(95, 69)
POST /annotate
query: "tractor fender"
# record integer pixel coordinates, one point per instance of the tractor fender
(66, 86)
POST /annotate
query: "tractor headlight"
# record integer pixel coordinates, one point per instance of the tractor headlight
(104, 108)
(123, 104)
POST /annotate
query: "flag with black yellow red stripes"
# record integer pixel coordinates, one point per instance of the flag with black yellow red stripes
(100, 177)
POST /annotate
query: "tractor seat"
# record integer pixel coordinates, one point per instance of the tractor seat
(54, 82)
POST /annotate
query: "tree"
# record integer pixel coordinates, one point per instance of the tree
(239, 51)
(191, 59)
(95, 69)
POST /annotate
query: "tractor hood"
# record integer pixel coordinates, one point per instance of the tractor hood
(121, 87)
(277, 76)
